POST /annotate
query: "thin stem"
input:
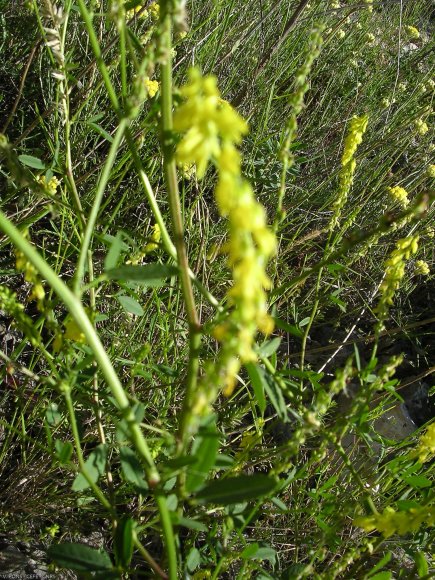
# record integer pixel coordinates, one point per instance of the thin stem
(92, 219)
(72, 418)
(177, 220)
(148, 558)
(78, 313)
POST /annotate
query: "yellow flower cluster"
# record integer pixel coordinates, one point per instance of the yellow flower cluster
(369, 5)
(152, 87)
(391, 522)
(394, 272)
(412, 32)
(422, 268)
(370, 38)
(421, 126)
(399, 194)
(50, 186)
(206, 121)
(155, 10)
(426, 445)
(358, 126)
(212, 130)
(430, 171)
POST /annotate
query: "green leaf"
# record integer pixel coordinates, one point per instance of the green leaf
(114, 252)
(256, 376)
(31, 161)
(123, 542)
(132, 469)
(207, 448)
(250, 551)
(63, 451)
(53, 415)
(382, 576)
(99, 129)
(148, 275)
(236, 489)
(289, 328)
(95, 466)
(382, 562)
(193, 559)
(279, 504)
(274, 393)
(421, 564)
(417, 481)
(189, 523)
(269, 347)
(304, 322)
(130, 305)
(265, 553)
(79, 557)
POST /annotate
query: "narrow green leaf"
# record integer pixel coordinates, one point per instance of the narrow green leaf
(132, 469)
(304, 322)
(289, 328)
(189, 523)
(31, 161)
(123, 542)
(382, 576)
(148, 275)
(382, 562)
(417, 481)
(130, 305)
(99, 129)
(95, 466)
(79, 557)
(236, 489)
(257, 381)
(114, 252)
(206, 455)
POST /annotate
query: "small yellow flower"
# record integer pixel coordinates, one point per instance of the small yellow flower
(421, 126)
(412, 32)
(422, 268)
(152, 87)
(402, 87)
(188, 170)
(341, 34)
(399, 194)
(391, 522)
(369, 5)
(51, 185)
(155, 239)
(430, 171)
(73, 331)
(370, 38)
(334, 4)
(385, 103)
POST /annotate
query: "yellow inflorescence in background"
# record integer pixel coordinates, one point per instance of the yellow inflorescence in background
(212, 130)
(399, 194)
(394, 273)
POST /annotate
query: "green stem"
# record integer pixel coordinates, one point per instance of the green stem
(72, 418)
(90, 225)
(176, 218)
(147, 557)
(78, 313)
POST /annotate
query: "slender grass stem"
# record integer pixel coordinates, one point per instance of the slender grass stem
(92, 219)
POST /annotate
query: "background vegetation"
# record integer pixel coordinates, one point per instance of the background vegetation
(275, 479)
